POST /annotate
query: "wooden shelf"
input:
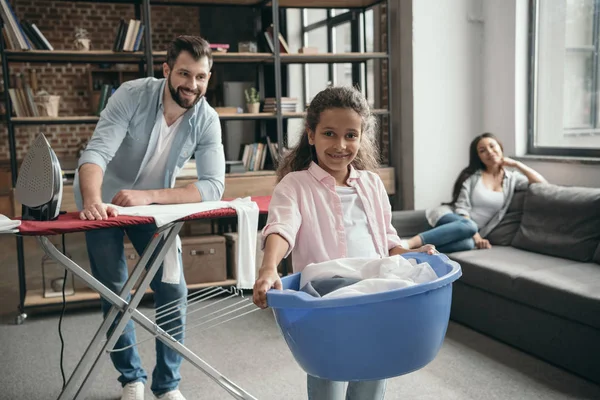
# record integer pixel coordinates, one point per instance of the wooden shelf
(218, 57)
(35, 298)
(246, 116)
(72, 56)
(302, 114)
(321, 58)
(282, 3)
(76, 119)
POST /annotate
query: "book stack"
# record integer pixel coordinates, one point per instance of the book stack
(21, 35)
(254, 155)
(22, 96)
(288, 104)
(129, 36)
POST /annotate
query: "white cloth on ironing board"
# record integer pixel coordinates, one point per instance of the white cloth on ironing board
(247, 215)
(9, 225)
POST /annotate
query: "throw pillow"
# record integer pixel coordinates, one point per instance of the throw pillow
(505, 231)
(560, 221)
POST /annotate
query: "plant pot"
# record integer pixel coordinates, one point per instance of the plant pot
(253, 108)
(82, 44)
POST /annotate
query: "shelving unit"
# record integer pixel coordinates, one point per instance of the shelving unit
(237, 185)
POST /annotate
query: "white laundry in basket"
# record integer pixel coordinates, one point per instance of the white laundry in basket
(376, 275)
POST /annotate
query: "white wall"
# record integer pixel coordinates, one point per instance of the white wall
(505, 55)
(447, 77)
(470, 76)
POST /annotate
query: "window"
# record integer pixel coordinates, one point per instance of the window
(564, 116)
(338, 31)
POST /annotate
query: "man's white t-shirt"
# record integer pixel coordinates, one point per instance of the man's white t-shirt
(359, 240)
(157, 163)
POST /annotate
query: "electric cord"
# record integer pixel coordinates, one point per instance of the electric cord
(64, 305)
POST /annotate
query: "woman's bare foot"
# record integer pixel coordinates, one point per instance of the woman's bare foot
(414, 242)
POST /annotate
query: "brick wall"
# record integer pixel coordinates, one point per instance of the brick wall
(57, 20)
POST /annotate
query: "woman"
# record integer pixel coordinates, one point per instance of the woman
(481, 196)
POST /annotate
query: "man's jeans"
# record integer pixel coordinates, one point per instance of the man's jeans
(323, 389)
(107, 259)
(452, 233)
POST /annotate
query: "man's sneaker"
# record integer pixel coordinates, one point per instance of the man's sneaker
(133, 391)
(172, 395)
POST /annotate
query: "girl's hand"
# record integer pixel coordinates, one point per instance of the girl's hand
(268, 278)
(428, 248)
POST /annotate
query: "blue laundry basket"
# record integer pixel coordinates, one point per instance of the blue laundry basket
(372, 336)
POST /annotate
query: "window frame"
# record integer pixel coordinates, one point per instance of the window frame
(356, 19)
(532, 86)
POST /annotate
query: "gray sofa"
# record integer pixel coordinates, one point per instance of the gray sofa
(538, 287)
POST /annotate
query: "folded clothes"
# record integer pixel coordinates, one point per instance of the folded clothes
(347, 277)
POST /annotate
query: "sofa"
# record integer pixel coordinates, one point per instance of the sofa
(538, 287)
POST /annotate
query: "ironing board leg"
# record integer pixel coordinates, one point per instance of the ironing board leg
(132, 306)
(88, 356)
(130, 311)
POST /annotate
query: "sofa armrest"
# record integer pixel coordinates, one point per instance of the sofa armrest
(409, 222)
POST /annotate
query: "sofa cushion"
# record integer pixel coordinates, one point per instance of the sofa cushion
(571, 291)
(505, 231)
(597, 255)
(496, 269)
(560, 221)
(556, 285)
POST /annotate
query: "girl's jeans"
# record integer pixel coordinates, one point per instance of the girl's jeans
(452, 233)
(323, 389)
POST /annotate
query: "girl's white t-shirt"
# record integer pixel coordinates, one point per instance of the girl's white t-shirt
(359, 240)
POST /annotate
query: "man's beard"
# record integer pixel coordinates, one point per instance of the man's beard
(176, 96)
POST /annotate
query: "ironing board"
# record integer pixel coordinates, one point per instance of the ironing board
(150, 260)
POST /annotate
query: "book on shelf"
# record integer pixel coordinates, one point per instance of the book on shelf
(22, 96)
(283, 46)
(129, 36)
(21, 35)
(255, 155)
(288, 104)
(105, 93)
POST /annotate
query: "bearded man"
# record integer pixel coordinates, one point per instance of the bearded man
(149, 129)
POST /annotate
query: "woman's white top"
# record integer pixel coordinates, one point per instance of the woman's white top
(485, 203)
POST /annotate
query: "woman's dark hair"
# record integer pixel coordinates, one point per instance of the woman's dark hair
(300, 157)
(195, 45)
(475, 164)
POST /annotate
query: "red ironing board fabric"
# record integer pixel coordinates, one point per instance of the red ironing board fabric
(70, 222)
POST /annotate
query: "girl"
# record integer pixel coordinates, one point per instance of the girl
(482, 194)
(329, 204)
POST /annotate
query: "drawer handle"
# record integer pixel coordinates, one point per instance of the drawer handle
(201, 252)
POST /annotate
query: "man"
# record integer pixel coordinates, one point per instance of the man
(149, 129)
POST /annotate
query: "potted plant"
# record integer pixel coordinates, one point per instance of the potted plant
(252, 100)
(82, 41)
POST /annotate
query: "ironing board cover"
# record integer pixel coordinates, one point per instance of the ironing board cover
(70, 222)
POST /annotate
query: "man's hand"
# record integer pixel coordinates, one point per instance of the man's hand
(97, 211)
(481, 243)
(130, 198)
(268, 278)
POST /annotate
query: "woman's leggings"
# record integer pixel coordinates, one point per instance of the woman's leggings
(452, 233)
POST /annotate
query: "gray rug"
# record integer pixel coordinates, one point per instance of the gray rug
(251, 352)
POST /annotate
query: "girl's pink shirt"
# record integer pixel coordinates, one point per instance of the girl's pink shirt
(307, 212)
